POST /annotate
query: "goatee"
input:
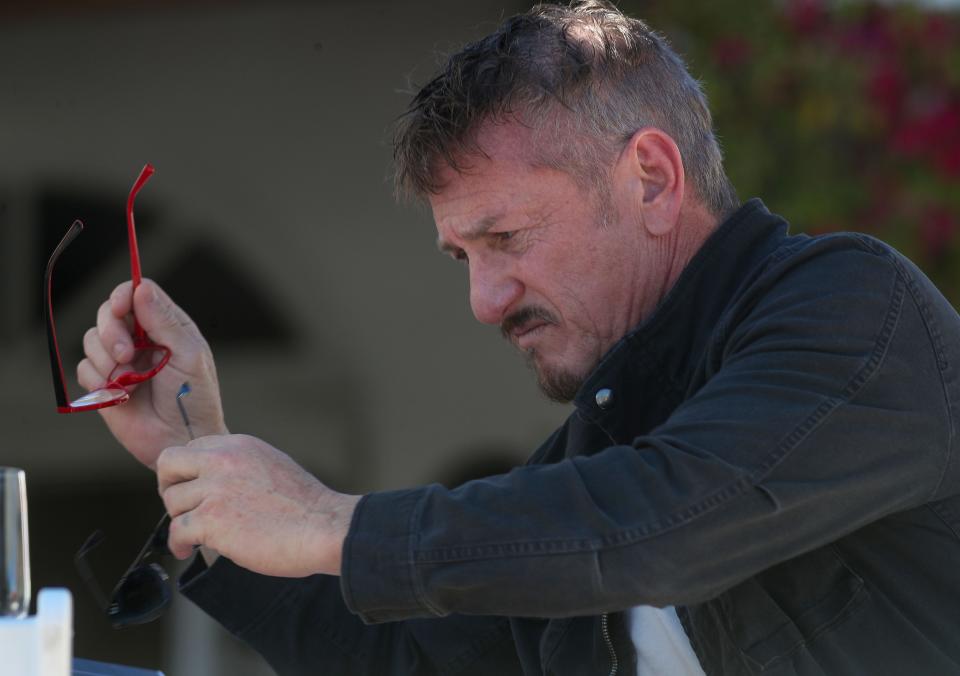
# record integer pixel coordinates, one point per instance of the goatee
(556, 385)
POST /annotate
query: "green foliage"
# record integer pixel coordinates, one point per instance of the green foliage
(841, 115)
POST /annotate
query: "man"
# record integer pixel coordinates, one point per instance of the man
(762, 442)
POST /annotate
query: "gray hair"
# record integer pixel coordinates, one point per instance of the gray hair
(584, 78)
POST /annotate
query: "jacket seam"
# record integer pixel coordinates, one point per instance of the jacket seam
(416, 583)
(557, 643)
(940, 517)
(850, 607)
(853, 386)
(936, 344)
(786, 446)
(857, 598)
(941, 363)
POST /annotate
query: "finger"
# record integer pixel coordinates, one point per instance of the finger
(121, 299)
(114, 334)
(185, 532)
(176, 465)
(95, 351)
(183, 497)
(164, 321)
(89, 377)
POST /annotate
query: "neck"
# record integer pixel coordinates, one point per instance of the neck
(695, 225)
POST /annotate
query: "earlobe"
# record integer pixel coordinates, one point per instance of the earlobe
(659, 222)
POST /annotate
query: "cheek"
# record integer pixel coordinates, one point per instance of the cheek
(597, 298)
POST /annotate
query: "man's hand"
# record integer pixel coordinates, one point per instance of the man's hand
(251, 503)
(151, 421)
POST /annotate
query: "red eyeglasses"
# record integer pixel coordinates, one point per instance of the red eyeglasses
(149, 357)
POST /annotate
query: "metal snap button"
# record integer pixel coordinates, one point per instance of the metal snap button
(604, 398)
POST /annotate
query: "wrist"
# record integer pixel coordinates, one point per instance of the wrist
(209, 428)
(330, 526)
(211, 431)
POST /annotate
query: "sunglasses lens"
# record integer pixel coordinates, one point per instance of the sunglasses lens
(141, 597)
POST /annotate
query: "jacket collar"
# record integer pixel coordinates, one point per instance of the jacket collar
(657, 356)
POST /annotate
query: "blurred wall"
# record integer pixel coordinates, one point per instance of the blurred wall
(269, 128)
(341, 336)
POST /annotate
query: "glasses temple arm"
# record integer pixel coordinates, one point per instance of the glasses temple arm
(56, 364)
(135, 274)
(83, 568)
(157, 540)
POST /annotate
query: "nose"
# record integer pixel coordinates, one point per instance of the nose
(492, 292)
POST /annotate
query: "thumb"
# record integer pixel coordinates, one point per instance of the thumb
(163, 320)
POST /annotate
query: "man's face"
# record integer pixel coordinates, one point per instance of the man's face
(562, 285)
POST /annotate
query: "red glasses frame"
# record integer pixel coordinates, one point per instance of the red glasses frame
(115, 390)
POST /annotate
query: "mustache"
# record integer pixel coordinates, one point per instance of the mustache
(525, 316)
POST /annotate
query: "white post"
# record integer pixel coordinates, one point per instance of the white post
(41, 645)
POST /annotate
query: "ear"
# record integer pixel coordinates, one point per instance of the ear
(650, 170)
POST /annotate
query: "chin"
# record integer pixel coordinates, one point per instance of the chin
(557, 382)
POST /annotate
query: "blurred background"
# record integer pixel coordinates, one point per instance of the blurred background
(341, 336)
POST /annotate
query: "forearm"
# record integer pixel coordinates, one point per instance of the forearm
(566, 541)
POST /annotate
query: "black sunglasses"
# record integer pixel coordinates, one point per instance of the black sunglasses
(143, 592)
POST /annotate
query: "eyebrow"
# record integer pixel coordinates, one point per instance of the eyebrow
(473, 231)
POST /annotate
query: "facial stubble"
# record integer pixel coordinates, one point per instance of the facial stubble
(557, 384)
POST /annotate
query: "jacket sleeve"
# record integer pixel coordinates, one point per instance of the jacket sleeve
(301, 626)
(825, 409)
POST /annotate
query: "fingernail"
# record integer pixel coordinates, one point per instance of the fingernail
(118, 350)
